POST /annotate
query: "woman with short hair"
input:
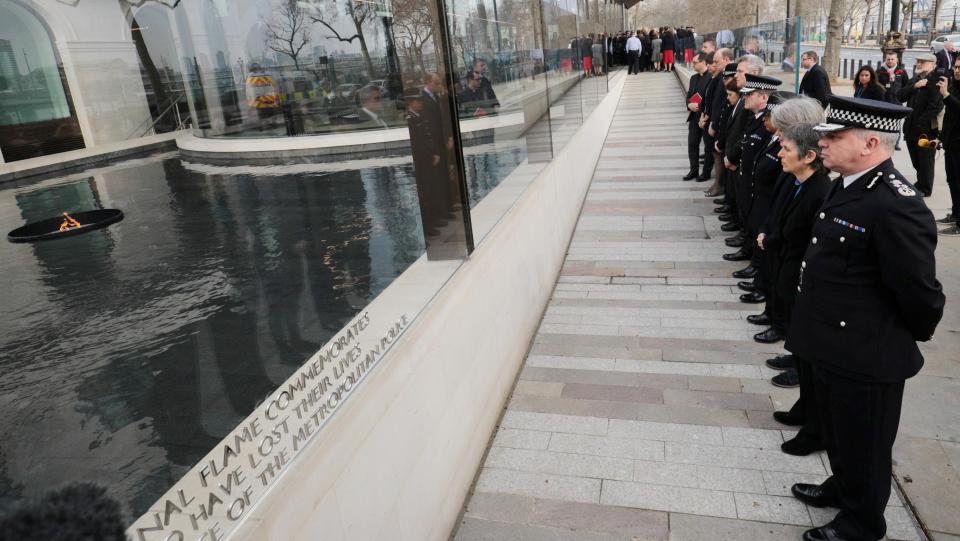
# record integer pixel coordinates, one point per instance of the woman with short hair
(785, 241)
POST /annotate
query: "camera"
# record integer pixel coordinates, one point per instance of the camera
(936, 74)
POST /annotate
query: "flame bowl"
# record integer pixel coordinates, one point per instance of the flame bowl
(49, 229)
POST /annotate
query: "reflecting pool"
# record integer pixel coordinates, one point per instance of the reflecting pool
(128, 352)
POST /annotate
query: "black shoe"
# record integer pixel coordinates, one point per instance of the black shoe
(734, 242)
(769, 336)
(729, 227)
(754, 297)
(747, 272)
(823, 533)
(801, 446)
(897, 147)
(727, 217)
(722, 209)
(784, 417)
(758, 319)
(690, 176)
(781, 362)
(787, 379)
(703, 178)
(749, 287)
(813, 495)
(739, 255)
(719, 201)
(948, 219)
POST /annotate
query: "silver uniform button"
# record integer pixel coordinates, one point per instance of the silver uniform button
(823, 215)
(803, 264)
(843, 323)
(813, 240)
(843, 239)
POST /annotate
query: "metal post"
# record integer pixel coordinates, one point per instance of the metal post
(953, 27)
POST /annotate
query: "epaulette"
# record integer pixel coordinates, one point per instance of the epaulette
(894, 182)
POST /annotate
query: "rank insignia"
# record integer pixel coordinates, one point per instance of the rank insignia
(849, 225)
(902, 188)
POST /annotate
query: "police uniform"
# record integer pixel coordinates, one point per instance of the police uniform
(752, 142)
(867, 293)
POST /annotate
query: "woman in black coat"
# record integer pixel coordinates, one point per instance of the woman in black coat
(785, 242)
(668, 44)
(866, 85)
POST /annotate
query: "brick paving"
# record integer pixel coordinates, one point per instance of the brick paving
(643, 410)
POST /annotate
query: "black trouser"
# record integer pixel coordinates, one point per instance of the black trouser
(632, 58)
(730, 189)
(694, 137)
(952, 161)
(859, 421)
(922, 160)
(708, 154)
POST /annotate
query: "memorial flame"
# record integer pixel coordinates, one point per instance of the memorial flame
(68, 222)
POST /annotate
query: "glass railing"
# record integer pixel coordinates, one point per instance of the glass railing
(775, 42)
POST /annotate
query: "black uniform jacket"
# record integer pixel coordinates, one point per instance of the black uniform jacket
(789, 229)
(754, 140)
(926, 103)
(721, 126)
(736, 125)
(718, 100)
(766, 171)
(868, 288)
(816, 84)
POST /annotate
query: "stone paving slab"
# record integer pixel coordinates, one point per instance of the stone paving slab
(643, 409)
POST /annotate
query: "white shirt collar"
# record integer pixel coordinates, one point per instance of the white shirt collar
(850, 179)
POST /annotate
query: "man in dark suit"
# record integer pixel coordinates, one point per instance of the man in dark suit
(695, 92)
(867, 293)
(371, 108)
(815, 82)
(947, 56)
(922, 95)
(891, 77)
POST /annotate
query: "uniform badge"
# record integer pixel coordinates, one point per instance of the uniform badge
(902, 188)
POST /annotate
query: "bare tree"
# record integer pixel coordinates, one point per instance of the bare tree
(831, 51)
(287, 31)
(413, 28)
(358, 12)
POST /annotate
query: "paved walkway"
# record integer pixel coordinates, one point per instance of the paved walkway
(644, 409)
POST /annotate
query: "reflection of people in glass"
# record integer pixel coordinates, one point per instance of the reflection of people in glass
(371, 108)
(262, 93)
(486, 87)
(471, 100)
(431, 145)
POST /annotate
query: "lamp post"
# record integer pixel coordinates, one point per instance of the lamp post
(894, 41)
(953, 27)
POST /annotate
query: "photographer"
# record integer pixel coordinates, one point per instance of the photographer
(922, 95)
(950, 138)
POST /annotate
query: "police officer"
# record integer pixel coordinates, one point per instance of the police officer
(756, 91)
(867, 293)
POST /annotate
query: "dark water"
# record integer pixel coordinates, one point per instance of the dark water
(127, 353)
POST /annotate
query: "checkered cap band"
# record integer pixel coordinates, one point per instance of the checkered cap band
(759, 85)
(869, 121)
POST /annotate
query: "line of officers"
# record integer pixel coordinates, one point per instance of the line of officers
(845, 267)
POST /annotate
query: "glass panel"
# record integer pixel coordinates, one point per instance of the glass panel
(775, 42)
(35, 113)
(563, 69)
